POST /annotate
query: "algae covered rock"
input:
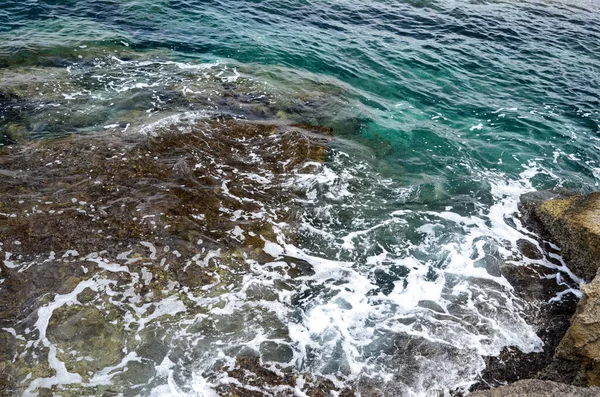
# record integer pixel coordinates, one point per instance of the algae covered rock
(572, 222)
(539, 388)
(103, 86)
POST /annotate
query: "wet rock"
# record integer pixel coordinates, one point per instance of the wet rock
(536, 287)
(572, 222)
(175, 180)
(7, 373)
(581, 344)
(539, 388)
(529, 250)
(253, 377)
(91, 333)
(513, 365)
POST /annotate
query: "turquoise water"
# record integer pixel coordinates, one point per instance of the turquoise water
(416, 76)
(443, 113)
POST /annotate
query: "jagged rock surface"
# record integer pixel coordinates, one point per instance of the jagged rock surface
(572, 222)
(582, 340)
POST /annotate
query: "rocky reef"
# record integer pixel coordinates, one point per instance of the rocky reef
(124, 246)
(120, 89)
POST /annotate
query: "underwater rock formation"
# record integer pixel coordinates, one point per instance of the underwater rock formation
(538, 388)
(106, 237)
(581, 344)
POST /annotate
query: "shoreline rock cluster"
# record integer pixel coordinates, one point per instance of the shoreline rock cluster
(572, 222)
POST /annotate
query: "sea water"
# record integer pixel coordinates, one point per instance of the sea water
(443, 114)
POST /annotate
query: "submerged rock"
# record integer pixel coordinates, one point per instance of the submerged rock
(127, 90)
(550, 319)
(88, 331)
(572, 222)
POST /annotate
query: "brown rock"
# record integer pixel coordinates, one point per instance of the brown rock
(573, 223)
(539, 388)
(66, 201)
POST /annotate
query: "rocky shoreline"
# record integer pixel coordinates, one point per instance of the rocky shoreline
(126, 186)
(571, 332)
(106, 236)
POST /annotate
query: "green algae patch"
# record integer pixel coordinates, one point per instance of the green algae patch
(86, 330)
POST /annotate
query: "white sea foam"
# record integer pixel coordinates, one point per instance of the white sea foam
(445, 297)
(392, 297)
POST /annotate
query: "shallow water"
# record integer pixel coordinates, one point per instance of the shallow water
(443, 114)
